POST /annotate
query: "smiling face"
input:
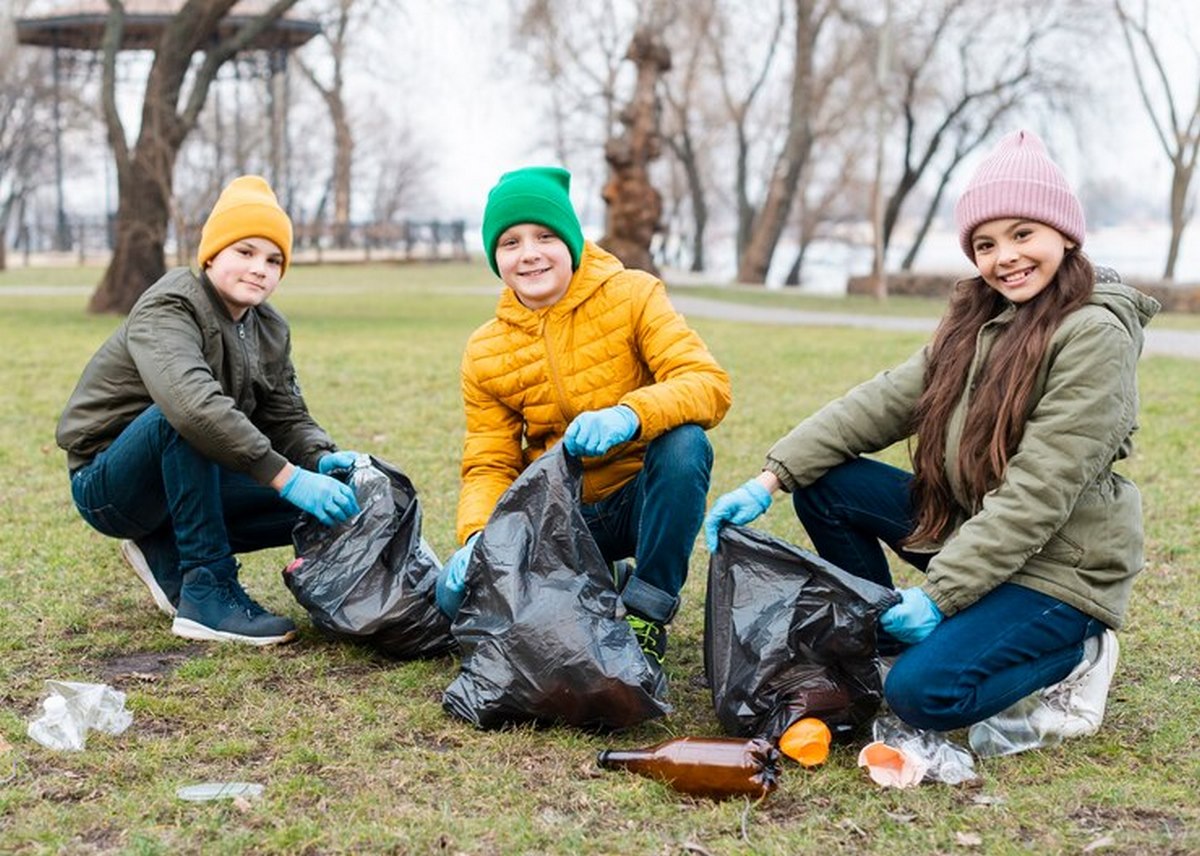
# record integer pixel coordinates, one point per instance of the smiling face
(1018, 258)
(535, 263)
(246, 273)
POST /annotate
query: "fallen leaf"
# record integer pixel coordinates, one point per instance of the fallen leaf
(901, 818)
(968, 839)
(1100, 843)
(1175, 678)
(693, 847)
(242, 804)
(5, 746)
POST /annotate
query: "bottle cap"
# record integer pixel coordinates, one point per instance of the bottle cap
(806, 741)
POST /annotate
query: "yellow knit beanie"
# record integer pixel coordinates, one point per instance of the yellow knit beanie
(246, 208)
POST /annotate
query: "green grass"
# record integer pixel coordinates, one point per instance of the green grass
(356, 753)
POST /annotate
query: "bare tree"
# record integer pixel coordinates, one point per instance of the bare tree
(634, 205)
(950, 95)
(739, 101)
(810, 17)
(26, 133)
(145, 172)
(683, 95)
(342, 21)
(1176, 123)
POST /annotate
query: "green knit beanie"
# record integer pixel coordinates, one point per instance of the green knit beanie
(535, 194)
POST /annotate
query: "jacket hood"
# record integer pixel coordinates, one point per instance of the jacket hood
(1130, 306)
(596, 267)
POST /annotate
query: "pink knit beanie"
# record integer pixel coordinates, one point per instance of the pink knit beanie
(1018, 179)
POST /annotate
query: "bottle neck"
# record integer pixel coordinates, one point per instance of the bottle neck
(611, 758)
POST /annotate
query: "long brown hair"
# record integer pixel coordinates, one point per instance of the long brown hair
(1000, 402)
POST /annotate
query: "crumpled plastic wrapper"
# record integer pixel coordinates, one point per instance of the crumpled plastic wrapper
(72, 709)
(902, 756)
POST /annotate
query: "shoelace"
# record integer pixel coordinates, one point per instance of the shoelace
(238, 597)
(646, 634)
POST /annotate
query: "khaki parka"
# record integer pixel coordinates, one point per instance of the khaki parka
(1061, 522)
(613, 338)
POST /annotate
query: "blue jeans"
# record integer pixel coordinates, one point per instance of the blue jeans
(655, 518)
(1011, 642)
(184, 510)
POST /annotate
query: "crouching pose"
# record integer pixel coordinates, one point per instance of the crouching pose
(188, 436)
(1020, 405)
(587, 352)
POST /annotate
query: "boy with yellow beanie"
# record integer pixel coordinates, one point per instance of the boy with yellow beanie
(187, 434)
(586, 352)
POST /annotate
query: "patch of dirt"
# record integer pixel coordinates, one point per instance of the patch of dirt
(145, 666)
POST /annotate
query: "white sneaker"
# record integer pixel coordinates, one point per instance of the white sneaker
(1074, 707)
(133, 556)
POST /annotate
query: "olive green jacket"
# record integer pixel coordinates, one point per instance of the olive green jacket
(1061, 521)
(228, 387)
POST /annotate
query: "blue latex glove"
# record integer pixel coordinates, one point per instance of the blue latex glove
(452, 581)
(738, 506)
(331, 461)
(913, 618)
(324, 497)
(593, 433)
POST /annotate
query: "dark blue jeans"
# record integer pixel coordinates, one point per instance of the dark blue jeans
(655, 518)
(1011, 642)
(182, 508)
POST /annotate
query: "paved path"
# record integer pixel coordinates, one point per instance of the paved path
(1169, 343)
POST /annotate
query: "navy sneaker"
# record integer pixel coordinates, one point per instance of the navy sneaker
(163, 579)
(651, 637)
(214, 607)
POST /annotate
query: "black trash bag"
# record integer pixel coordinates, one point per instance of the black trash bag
(539, 629)
(789, 635)
(372, 579)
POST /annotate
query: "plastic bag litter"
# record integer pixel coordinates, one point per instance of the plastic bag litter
(903, 756)
(540, 628)
(72, 709)
(219, 791)
(372, 578)
(788, 635)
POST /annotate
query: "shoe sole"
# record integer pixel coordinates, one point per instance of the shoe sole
(189, 629)
(134, 558)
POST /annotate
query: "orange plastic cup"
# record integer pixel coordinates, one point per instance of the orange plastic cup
(806, 741)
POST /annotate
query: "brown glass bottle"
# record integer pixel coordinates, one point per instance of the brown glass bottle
(715, 767)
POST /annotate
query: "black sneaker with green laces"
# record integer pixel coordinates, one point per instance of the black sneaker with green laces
(651, 637)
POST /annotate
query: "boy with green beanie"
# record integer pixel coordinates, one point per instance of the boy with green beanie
(182, 431)
(584, 351)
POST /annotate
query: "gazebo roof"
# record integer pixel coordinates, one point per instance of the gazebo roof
(79, 24)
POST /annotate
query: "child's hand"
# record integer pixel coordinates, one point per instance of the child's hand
(593, 433)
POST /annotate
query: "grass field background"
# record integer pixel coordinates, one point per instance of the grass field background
(355, 752)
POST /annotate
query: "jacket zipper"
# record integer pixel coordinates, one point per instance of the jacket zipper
(564, 405)
(241, 328)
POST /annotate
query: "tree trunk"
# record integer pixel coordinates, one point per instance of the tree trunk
(145, 174)
(143, 211)
(1181, 179)
(634, 205)
(785, 177)
(343, 159)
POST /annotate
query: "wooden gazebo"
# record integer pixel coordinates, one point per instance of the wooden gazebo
(78, 26)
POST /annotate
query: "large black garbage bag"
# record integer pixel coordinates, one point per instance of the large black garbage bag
(789, 635)
(539, 629)
(372, 579)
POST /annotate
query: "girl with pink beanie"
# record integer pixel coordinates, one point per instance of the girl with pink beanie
(1015, 414)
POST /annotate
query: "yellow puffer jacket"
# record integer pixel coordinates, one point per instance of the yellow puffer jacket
(613, 338)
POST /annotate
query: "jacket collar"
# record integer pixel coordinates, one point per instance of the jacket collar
(596, 267)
